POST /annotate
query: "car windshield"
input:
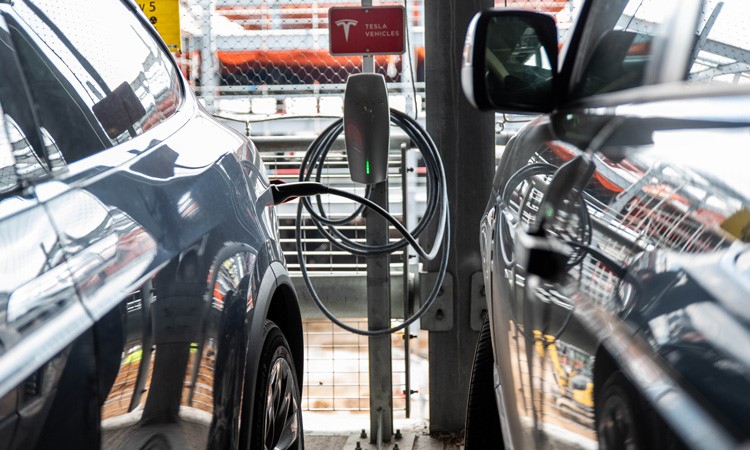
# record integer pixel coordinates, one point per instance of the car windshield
(618, 42)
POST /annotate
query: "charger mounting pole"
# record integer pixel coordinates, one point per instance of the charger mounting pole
(379, 308)
(368, 31)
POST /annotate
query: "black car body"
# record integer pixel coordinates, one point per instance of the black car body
(144, 298)
(615, 241)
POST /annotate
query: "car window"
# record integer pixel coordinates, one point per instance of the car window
(27, 164)
(95, 83)
(722, 50)
(622, 35)
(8, 177)
(21, 150)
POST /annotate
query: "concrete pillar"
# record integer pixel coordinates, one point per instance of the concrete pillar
(466, 140)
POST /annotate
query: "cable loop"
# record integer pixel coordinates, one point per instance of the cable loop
(437, 202)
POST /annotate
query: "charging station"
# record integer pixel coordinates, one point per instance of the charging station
(453, 320)
(366, 116)
(357, 113)
(357, 110)
(465, 139)
(366, 125)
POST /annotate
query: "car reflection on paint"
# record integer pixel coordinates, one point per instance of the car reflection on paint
(615, 239)
(145, 300)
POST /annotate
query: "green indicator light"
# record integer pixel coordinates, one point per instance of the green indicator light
(367, 167)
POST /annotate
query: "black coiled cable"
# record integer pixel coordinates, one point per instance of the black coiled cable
(437, 203)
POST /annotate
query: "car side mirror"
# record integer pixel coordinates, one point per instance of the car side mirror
(510, 61)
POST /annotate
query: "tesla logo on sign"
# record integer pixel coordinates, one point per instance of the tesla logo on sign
(345, 24)
(366, 30)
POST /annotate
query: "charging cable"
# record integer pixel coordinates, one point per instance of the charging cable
(309, 185)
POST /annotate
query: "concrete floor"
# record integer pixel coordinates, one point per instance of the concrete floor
(342, 431)
(408, 442)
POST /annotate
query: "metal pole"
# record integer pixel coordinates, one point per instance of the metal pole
(407, 73)
(379, 316)
(465, 139)
(379, 308)
(406, 257)
(209, 73)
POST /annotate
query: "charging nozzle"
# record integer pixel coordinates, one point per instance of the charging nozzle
(367, 127)
(284, 192)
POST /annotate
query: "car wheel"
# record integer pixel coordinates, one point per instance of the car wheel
(277, 422)
(482, 418)
(617, 415)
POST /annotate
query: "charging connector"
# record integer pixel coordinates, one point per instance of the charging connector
(367, 127)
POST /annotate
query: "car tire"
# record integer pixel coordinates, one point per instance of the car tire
(277, 418)
(618, 413)
(482, 418)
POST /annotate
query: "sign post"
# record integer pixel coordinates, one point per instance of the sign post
(368, 31)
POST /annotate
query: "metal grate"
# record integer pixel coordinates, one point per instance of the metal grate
(197, 390)
(337, 371)
(320, 254)
(121, 395)
(256, 59)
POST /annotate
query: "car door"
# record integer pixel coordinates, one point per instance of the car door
(93, 109)
(151, 205)
(664, 199)
(545, 350)
(43, 321)
(625, 57)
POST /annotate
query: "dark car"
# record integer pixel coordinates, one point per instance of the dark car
(144, 299)
(615, 240)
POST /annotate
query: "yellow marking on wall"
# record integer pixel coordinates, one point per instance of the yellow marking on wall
(164, 15)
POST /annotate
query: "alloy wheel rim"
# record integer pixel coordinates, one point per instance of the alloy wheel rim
(281, 421)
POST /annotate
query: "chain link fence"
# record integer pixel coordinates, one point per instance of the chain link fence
(270, 57)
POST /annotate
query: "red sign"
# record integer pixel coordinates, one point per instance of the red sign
(366, 30)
